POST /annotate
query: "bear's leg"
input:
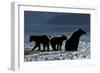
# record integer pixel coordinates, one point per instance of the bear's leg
(39, 47)
(57, 47)
(48, 47)
(53, 46)
(34, 47)
(76, 49)
(44, 46)
(60, 47)
(68, 47)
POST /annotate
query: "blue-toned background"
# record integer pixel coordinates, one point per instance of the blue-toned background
(54, 23)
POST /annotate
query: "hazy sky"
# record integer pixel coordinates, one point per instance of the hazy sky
(52, 22)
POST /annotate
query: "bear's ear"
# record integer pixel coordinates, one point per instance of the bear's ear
(77, 29)
(49, 36)
(80, 29)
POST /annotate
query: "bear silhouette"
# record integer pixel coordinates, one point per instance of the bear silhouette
(72, 43)
(43, 39)
(56, 42)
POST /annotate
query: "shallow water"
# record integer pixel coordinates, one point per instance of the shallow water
(82, 53)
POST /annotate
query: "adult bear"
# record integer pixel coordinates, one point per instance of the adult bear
(56, 42)
(43, 39)
(72, 43)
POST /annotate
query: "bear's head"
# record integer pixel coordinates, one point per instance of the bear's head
(31, 38)
(64, 37)
(80, 31)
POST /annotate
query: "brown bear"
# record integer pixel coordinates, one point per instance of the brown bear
(43, 39)
(72, 43)
(56, 42)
